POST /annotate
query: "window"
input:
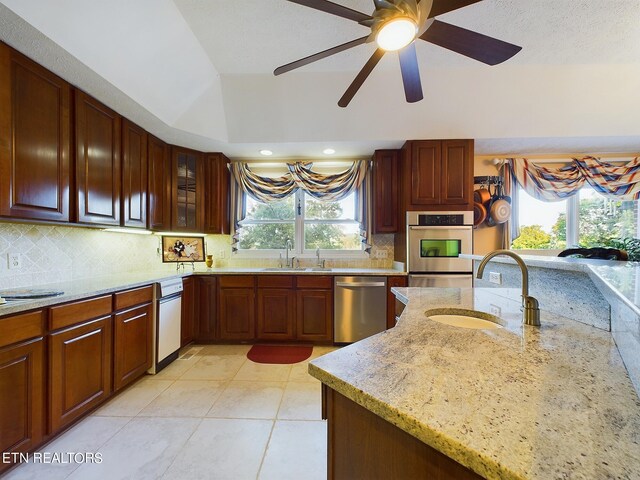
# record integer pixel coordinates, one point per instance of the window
(543, 225)
(306, 222)
(601, 219)
(587, 219)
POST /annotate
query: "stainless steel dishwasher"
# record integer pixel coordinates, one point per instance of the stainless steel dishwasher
(360, 308)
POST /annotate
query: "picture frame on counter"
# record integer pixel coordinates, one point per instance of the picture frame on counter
(182, 249)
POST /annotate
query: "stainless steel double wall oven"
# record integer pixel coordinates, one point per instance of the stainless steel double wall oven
(435, 241)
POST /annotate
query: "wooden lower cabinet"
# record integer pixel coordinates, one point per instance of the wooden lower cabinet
(187, 326)
(22, 395)
(391, 298)
(276, 313)
(314, 315)
(207, 309)
(132, 345)
(237, 313)
(80, 370)
(363, 445)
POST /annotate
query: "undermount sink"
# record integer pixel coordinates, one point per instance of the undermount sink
(320, 269)
(458, 317)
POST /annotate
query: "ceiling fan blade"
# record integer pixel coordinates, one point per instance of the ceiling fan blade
(361, 77)
(334, 9)
(440, 7)
(320, 55)
(410, 73)
(470, 44)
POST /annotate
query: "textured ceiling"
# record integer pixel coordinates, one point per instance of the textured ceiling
(199, 73)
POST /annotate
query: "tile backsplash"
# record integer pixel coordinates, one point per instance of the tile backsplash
(52, 253)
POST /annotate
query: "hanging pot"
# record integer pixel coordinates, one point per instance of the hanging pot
(481, 195)
(500, 210)
(479, 214)
(490, 221)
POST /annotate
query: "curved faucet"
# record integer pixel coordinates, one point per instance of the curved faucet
(530, 306)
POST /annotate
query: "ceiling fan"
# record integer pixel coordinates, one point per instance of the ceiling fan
(395, 25)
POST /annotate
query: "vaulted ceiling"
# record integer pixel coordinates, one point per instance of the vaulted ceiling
(199, 73)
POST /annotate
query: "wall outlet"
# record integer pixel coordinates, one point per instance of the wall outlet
(14, 261)
(495, 310)
(222, 254)
(382, 254)
(495, 277)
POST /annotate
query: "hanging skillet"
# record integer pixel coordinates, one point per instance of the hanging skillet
(394, 26)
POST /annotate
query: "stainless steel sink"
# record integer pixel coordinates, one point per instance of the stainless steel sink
(462, 318)
(283, 269)
(320, 269)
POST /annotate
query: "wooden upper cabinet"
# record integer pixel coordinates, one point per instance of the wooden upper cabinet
(98, 173)
(438, 174)
(386, 178)
(216, 193)
(159, 163)
(35, 140)
(187, 190)
(134, 175)
(457, 173)
(424, 167)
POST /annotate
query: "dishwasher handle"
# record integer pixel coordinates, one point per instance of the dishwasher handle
(360, 285)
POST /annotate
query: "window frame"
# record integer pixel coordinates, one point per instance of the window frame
(299, 222)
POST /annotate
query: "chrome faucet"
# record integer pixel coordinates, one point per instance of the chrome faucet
(288, 246)
(319, 263)
(530, 306)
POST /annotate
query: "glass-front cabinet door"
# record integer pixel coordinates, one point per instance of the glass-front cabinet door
(187, 191)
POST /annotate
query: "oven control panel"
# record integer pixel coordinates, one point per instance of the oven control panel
(440, 219)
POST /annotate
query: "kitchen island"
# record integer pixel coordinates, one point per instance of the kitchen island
(517, 402)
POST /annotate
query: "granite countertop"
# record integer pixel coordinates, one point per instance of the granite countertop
(106, 284)
(621, 279)
(518, 402)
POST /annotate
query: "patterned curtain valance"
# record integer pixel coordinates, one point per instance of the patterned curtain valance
(555, 184)
(324, 187)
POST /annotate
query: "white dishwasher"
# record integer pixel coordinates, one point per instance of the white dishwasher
(167, 324)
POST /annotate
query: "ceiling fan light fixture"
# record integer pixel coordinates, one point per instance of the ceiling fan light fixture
(396, 34)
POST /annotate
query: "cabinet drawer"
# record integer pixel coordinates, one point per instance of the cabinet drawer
(315, 281)
(76, 312)
(275, 281)
(21, 327)
(237, 281)
(130, 298)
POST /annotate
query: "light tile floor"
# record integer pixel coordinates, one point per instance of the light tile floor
(209, 415)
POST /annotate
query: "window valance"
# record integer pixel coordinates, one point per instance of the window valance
(555, 184)
(324, 187)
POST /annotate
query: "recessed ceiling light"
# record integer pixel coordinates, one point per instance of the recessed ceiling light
(328, 151)
(266, 153)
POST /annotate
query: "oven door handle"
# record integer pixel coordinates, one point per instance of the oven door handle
(452, 227)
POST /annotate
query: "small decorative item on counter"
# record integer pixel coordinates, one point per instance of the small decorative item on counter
(209, 261)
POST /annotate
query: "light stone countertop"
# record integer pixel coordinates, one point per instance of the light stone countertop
(621, 279)
(518, 402)
(106, 284)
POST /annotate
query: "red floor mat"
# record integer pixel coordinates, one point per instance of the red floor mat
(278, 354)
